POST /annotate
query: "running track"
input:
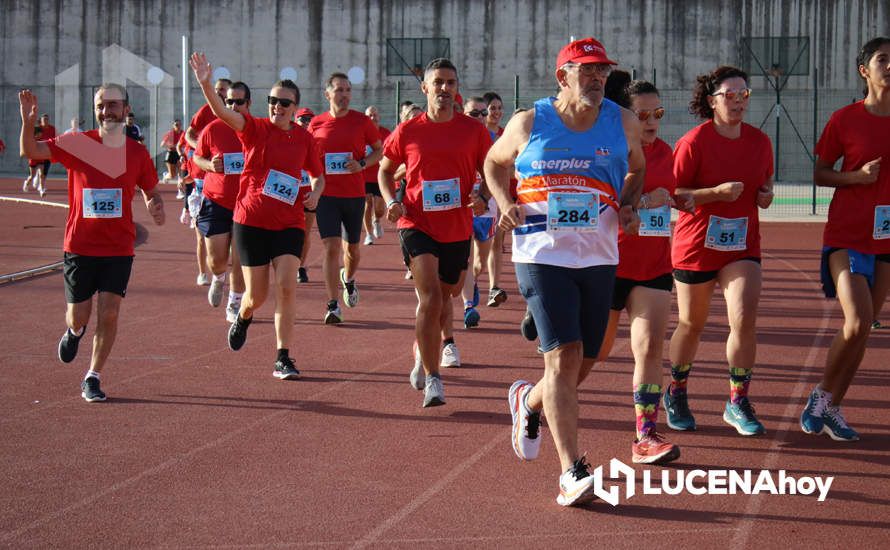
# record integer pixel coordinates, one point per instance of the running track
(201, 447)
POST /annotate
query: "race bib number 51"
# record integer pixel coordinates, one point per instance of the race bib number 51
(102, 203)
(882, 222)
(572, 211)
(726, 234)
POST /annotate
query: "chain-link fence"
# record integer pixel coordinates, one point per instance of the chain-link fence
(802, 117)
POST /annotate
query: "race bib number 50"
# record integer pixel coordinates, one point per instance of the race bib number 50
(102, 203)
(572, 211)
(655, 222)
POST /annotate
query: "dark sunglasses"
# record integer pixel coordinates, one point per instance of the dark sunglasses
(744, 93)
(475, 113)
(655, 113)
(238, 102)
(276, 100)
(305, 118)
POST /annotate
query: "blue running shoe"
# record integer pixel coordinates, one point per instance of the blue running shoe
(679, 417)
(741, 417)
(836, 427)
(811, 418)
(471, 317)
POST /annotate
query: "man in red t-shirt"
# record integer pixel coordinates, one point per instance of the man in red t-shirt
(47, 132)
(443, 151)
(219, 154)
(104, 169)
(168, 142)
(343, 136)
(375, 208)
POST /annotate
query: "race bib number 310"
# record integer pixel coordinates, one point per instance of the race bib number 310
(572, 211)
(335, 163)
(441, 195)
(727, 234)
(882, 222)
(102, 203)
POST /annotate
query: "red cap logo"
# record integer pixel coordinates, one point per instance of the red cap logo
(586, 50)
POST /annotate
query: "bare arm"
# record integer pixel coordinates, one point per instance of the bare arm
(499, 166)
(825, 175)
(155, 205)
(725, 192)
(29, 147)
(203, 71)
(385, 180)
(636, 174)
(214, 164)
(317, 185)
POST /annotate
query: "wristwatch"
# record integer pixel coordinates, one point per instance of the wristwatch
(362, 163)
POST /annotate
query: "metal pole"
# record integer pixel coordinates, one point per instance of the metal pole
(515, 91)
(185, 81)
(815, 126)
(633, 73)
(778, 115)
(398, 101)
(156, 124)
(655, 77)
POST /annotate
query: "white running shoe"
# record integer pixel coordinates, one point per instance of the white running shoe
(450, 356)
(350, 290)
(368, 240)
(215, 293)
(418, 376)
(25, 185)
(378, 229)
(203, 279)
(576, 484)
(232, 311)
(526, 424)
(433, 392)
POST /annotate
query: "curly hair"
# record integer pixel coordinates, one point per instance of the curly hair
(707, 84)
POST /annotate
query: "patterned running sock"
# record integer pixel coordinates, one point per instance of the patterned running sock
(679, 378)
(739, 379)
(447, 341)
(646, 397)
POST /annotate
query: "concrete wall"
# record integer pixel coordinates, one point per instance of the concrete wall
(490, 42)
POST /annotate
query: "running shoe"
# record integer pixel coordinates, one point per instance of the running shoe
(471, 317)
(203, 279)
(418, 376)
(25, 185)
(180, 194)
(408, 275)
(350, 292)
(653, 448)
(836, 427)
(215, 292)
(811, 418)
(368, 239)
(679, 417)
(285, 369)
(333, 315)
(741, 417)
(576, 484)
(232, 311)
(302, 276)
(378, 229)
(496, 296)
(433, 391)
(876, 325)
(450, 356)
(90, 390)
(527, 327)
(238, 333)
(526, 424)
(42, 190)
(68, 345)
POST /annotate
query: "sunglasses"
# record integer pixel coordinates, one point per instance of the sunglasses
(238, 102)
(744, 93)
(644, 115)
(273, 101)
(590, 69)
(475, 113)
(305, 118)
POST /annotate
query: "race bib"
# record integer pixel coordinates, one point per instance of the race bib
(233, 163)
(368, 150)
(335, 163)
(655, 222)
(573, 211)
(441, 195)
(882, 222)
(102, 203)
(281, 187)
(199, 186)
(727, 234)
(304, 179)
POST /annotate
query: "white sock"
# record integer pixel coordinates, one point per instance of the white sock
(92, 373)
(220, 277)
(82, 329)
(235, 296)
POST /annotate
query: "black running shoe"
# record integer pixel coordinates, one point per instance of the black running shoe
(285, 369)
(68, 345)
(90, 390)
(302, 276)
(238, 333)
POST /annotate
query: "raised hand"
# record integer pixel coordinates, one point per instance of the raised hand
(28, 107)
(201, 67)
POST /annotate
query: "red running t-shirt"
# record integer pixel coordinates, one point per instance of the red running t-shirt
(369, 174)
(339, 139)
(435, 155)
(218, 138)
(642, 258)
(171, 138)
(270, 196)
(703, 158)
(100, 213)
(859, 137)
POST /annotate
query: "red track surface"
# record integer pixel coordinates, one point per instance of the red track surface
(199, 446)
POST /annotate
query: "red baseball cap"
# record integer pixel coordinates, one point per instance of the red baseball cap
(305, 111)
(586, 50)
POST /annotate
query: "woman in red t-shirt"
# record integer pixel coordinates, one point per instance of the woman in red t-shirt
(856, 241)
(727, 165)
(268, 221)
(643, 280)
